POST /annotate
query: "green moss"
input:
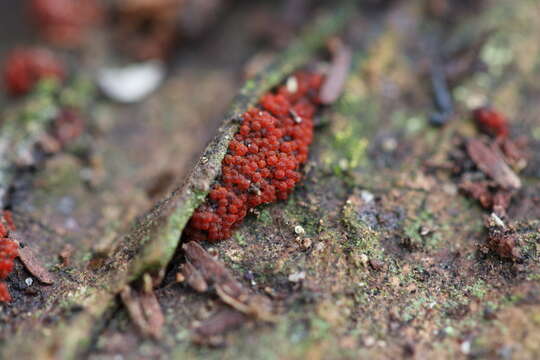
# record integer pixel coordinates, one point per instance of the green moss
(362, 239)
(512, 299)
(349, 142)
(413, 228)
(239, 237)
(353, 120)
(264, 217)
(478, 289)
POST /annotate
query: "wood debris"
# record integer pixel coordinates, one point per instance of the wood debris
(210, 331)
(225, 285)
(145, 311)
(194, 278)
(337, 74)
(492, 164)
(34, 266)
(502, 239)
(478, 190)
(496, 183)
(65, 254)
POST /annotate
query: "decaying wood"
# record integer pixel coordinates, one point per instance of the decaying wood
(347, 285)
(168, 220)
(152, 241)
(478, 190)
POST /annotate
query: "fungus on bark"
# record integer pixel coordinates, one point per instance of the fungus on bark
(263, 160)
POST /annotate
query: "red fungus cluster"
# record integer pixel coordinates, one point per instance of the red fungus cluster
(9, 250)
(64, 22)
(26, 66)
(263, 159)
(490, 121)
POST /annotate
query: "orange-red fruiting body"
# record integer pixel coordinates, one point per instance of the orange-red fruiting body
(491, 121)
(9, 250)
(26, 66)
(263, 159)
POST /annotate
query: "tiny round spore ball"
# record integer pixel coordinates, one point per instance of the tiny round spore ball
(263, 160)
(26, 66)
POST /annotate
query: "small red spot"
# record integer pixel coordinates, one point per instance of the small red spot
(26, 66)
(9, 250)
(491, 122)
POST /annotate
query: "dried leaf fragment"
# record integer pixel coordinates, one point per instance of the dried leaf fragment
(144, 310)
(34, 266)
(492, 164)
(194, 278)
(335, 79)
(226, 286)
(212, 270)
(210, 329)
